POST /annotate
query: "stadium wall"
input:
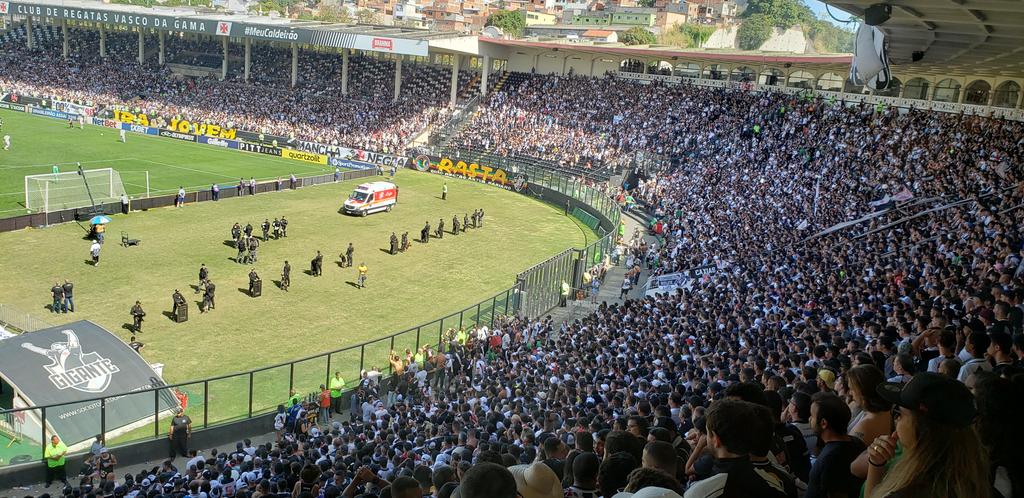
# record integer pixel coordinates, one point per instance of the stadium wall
(543, 281)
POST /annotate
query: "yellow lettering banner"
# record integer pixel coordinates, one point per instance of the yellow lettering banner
(309, 157)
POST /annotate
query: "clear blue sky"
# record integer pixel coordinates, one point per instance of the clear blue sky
(819, 10)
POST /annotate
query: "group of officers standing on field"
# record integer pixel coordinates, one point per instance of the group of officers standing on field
(248, 245)
(477, 220)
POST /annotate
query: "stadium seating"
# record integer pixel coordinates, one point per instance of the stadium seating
(841, 237)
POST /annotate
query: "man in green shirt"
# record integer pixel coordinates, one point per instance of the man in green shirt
(54, 455)
(337, 385)
(294, 399)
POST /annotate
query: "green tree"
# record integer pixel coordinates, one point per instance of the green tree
(827, 37)
(697, 33)
(780, 13)
(512, 22)
(646, 3)
(367, 16)
(333, 13)
(754, 31)
(637, 36)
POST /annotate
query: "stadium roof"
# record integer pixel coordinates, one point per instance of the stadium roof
(389, 39)
(753, 59)
(968, 37)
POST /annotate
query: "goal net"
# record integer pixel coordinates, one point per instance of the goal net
(58, 191)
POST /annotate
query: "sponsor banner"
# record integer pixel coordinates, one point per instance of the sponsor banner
(178, 125)
(391, 45)
(259, 149)
(134, 128)
(299, 155)
(262, 138)
(13, 107)
(337, 162)
(50, 113)
(177, 136)
(355, 155)
(219, 142)
(700, 271)
(473, 171)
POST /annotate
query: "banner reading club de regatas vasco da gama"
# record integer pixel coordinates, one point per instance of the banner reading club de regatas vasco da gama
(234, 27)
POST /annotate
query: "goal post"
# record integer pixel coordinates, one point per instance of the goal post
(58, 191)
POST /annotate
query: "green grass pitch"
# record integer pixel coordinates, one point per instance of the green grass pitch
(317, 314)
(38, 143)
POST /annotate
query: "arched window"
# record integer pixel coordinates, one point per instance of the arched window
(772, 77)
(948, 90)
(893, 90)
(917, 88)
(688, 70)
(715, 72)
(801, 79)
(977, 93)
(1007, 94)
(742, 73)
(830, 81)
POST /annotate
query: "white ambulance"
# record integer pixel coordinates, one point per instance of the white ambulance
(372, 197)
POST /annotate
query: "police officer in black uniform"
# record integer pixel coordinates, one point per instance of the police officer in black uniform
(253, 278)
(137, 316)
(440, 228)
(317, 264)
(266, 229)
(348, 254)
(240, 244)
(465, 222)
(248, 229)
(204, 276)
(254, 244)
(286, 276)
(236, 231)
(394, 244)
(208, 297)
(455, 225)
(284, 227)
(277, 228)
(177, 301)
(480, 218)
(405, 241)
(425, 233)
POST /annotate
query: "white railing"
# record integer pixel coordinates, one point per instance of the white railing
(848, 98)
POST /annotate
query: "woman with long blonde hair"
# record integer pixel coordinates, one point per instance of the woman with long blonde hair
(942, 454)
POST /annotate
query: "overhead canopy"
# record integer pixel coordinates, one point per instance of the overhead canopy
(71, 364)
(962, 37)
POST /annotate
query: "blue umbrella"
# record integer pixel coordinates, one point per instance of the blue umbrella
(99, 220)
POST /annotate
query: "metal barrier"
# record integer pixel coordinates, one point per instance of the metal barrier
(16, 320)
(238, 396)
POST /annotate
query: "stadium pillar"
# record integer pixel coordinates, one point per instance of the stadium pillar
(484, 74)
(344, 71)
(162, 38)
(248, 57)
(455, 79)
(103, 42)
(142, 47)
(28, 32)
(295, 64)
(224, 63)
(64, 35)
(398, 77)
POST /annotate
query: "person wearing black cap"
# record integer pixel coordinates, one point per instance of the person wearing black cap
(942, 455)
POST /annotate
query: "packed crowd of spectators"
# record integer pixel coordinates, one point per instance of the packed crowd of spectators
(369, 118)
(881, 358)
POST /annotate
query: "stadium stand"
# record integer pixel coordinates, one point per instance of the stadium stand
(867, 258)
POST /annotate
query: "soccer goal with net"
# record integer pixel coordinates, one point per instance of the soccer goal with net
(58, 191)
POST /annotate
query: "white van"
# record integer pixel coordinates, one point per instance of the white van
(372, 197)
